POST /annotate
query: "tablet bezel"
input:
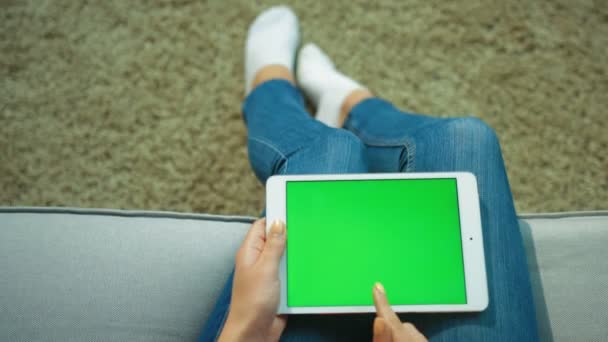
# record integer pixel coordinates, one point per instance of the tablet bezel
(471, 236)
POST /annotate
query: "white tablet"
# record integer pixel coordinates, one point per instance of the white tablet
(419, 234)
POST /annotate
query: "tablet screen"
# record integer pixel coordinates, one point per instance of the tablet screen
(345, 235)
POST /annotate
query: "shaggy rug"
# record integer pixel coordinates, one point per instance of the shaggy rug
(137, 104)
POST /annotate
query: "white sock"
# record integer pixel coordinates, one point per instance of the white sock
(323, 83)
(272, 39)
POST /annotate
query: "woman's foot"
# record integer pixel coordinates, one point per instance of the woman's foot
(271, 47)
(333, 93)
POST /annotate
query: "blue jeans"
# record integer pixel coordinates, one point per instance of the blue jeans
(377, 137)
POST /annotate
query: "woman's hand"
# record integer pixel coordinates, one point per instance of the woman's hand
(387, 326)
(256, 288)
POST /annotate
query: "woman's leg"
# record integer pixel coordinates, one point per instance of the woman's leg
(283, 138)
(416, 144)
(403, 142)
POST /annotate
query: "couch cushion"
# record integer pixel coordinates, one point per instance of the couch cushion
(82, 275)
(568, 262)
(85, 275)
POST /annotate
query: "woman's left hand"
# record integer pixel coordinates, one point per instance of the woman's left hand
(256, 287)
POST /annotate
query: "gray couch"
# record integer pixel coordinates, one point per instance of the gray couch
(110, 275)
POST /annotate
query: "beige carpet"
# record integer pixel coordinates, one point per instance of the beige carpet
(136, 104)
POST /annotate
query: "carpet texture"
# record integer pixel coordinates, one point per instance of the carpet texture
(136, 104)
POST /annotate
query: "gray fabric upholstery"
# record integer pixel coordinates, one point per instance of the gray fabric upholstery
(87, 275)
(568, 262)
(103, 277)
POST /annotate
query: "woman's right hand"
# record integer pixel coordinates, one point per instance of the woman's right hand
(387, 325)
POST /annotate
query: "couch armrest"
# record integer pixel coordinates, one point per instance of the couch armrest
(567, 258)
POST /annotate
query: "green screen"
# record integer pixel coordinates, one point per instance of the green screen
(343, 236)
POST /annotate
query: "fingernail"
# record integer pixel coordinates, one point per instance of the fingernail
(277, 228)
(379, 288)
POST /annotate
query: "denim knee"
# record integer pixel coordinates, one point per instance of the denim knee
(473, 133)
(334, 151)
(341, 141)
